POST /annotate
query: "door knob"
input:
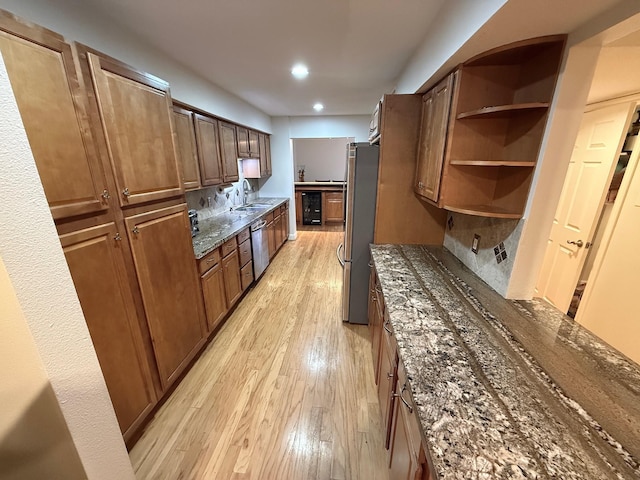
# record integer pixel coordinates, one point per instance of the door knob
(577, 243)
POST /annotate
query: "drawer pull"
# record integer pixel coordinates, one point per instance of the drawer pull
(387, 329)
(212, 260)
(406, 404)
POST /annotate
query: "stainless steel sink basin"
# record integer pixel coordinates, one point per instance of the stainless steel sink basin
(251, 206)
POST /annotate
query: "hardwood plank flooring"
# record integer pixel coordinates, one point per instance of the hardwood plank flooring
(284, 391)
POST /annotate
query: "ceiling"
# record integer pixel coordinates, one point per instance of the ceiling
(355, 49)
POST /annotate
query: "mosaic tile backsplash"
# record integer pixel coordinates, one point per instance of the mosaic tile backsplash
(210, 201)
(496, 250)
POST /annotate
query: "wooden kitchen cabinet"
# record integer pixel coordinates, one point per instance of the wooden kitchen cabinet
(254, 144)
(54, 108)
(229, 152)
(407, 459)
(136, 114)
(215, 301)
(163, 255)
(242, 137)
(187, 149)
(232, 280)
(499, 110)
(387, 379)
(95, 259)
(284, 223)
(333, 207)
(208, 138)
(436, 105)
(264, 151)
(271, 234)
(277, 230)
(375, 313)
(298, 208)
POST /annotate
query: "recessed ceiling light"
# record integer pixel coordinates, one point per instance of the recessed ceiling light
(300, 71)
(318, 107)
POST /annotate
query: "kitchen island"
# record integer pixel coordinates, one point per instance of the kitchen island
(505, 389)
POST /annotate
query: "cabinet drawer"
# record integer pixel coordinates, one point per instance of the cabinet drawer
(211, 259)
(335, 196)
(269, 217)
(229, 246)
(243, 236)
(246, 275)
(245, 252)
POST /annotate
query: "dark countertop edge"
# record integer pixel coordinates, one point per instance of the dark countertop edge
(243, 222)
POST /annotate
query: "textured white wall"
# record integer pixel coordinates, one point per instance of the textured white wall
(356, 126)
(323, 158)
(74, 20)
(31, 252)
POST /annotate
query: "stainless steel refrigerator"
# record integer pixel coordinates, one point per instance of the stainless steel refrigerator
(360, 206)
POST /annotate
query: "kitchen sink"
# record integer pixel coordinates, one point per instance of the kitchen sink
(251, 206)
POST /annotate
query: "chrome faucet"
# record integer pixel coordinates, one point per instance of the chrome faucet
(246, 188)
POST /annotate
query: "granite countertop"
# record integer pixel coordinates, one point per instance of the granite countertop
(216, 230)
(502, 388)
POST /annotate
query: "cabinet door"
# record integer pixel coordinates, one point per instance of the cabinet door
(277, 231)
(386, 386)
(333, 206)
(232, 281)
(271, 238)
(262, 147)
(229, 152)
(136, 113)
(404, 448)
(267, 140)
(254, 144)
(96, 263)
(285, 222)
(433, 135)
(208, 140)
(54, 112)
(170, 286)
(298, 208)
(242, 137)
(215, 301)
(187, 150)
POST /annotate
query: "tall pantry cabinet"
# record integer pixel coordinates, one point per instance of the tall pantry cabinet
(102, 137)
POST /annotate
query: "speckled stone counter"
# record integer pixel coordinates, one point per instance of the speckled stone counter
(216, 230)
(506, 389)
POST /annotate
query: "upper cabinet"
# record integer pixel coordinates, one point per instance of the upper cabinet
(228, 149)
(135, 110)
(264, 143)
(248, 142)
(208, 139)
(498, 114)
(53, 106)
(187, 150)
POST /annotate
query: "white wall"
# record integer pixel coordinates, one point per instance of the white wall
(321, 158)
(35, 263)
(456, 22)
(356, 126)
(74, 20)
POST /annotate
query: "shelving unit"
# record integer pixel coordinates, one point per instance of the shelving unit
(498, 116)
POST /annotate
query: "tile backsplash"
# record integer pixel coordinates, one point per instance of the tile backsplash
(210, 201)
(496, 250)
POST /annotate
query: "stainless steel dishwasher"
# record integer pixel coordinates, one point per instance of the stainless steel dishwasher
(259, 247)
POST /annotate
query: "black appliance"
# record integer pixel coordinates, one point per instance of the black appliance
(311, 208)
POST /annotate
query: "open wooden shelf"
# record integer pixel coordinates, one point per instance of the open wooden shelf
(483, 211)
(502, 111)
(493, 163)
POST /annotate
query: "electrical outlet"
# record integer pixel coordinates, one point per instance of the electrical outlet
(475, 243)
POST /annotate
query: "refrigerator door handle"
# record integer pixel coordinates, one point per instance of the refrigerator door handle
(340, 259)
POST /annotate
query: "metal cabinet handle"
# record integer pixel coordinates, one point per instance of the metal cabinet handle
(370, 264)
(211, 260)
(135, 230)
(384, 325)
(577, 243)
(406, 404)
(117, 236)
(390, 375)
(105, 194)
(126, 192)
(378, 289)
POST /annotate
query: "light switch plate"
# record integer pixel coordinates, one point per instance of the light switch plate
(475, 243)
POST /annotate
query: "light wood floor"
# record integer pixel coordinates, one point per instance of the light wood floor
(285, 390)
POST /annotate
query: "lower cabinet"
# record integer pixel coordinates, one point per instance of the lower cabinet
(277, 229)
(96, 263)
(271, 235)
(214, 297)
(232, 282)
(333, 207)
(406, 457)
(163, 255)
(401, 427)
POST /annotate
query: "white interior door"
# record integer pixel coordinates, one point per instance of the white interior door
(597, 147)
(610, 307)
